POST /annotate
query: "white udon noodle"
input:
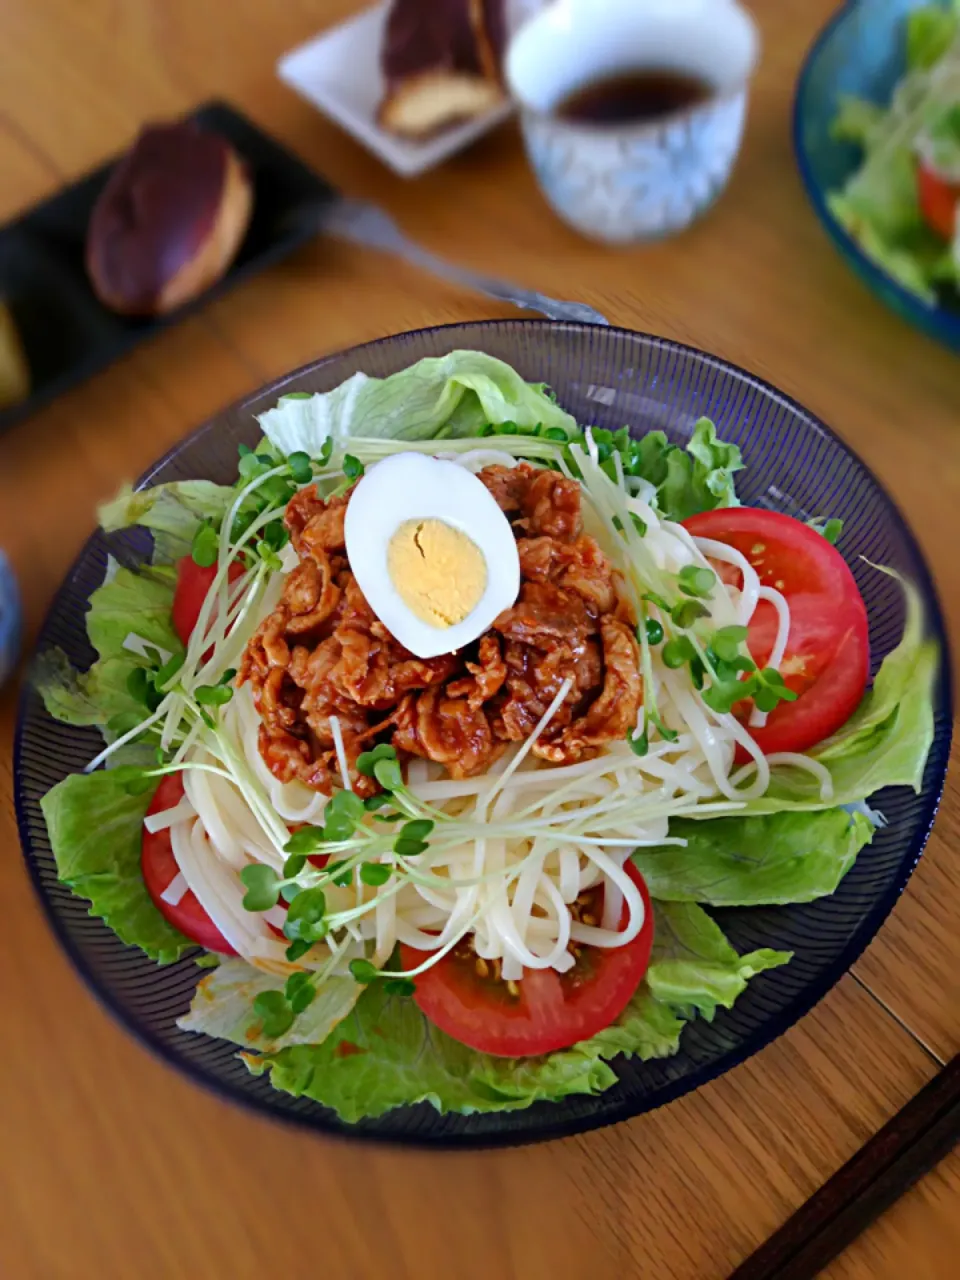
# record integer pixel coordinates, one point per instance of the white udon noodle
(579, 822)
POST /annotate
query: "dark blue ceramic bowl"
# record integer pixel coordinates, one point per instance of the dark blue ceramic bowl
(860, 51)
(607, 377)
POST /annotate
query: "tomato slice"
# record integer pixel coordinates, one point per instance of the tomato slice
(551, 1011)
(938, 201)
(157, 862)
(193, 584)
(827, 658)
(159, 868)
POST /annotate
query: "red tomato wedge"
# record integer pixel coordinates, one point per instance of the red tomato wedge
(551, 1011)
(160, 868)
(193, 583)
(938, 201)
(827, 659)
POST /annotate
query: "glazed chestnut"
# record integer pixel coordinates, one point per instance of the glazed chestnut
(169, 221)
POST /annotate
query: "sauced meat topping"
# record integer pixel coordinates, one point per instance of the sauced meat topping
(323, 653)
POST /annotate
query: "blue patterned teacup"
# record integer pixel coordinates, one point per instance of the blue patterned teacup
(633, 181)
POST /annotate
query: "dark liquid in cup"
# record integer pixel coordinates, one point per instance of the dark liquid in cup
(634, 97)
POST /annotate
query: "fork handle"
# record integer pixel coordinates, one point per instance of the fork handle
(385, 235)
(501, 290)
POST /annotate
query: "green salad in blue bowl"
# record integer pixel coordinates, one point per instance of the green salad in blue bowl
(877, 135)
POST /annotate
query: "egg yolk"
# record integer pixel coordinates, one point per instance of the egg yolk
(438, 572)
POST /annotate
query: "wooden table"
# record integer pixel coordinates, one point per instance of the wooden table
(112, 1165)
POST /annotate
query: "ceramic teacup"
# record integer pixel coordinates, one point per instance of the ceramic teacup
(645, 179)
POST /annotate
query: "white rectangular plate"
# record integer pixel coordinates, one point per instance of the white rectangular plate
(339, 72)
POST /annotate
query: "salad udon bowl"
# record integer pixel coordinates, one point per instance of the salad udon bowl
(605, 377)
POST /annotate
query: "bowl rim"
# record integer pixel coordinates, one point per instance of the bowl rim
(938, 322)
(319, 1119)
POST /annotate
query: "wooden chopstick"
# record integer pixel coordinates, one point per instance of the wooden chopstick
(897, 1156)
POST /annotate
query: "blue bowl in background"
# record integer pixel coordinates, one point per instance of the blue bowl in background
(860, 51)
(10, 619)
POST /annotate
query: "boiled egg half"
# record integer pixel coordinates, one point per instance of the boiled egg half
(431, 551)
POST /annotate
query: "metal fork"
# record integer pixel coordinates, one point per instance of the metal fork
(364, 223)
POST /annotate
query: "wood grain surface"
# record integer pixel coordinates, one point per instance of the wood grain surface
(919, 1237)
(111, 1165)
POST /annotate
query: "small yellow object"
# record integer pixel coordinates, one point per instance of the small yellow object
(439, 573)
(14, 372)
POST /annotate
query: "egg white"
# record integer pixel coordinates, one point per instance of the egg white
(412, 486)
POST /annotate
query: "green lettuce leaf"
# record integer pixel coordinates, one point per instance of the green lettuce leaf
(453, 395)
(467, 393)
(931, 30)
(133, 603)
(223, 1006)
(857, 120)
(385, 1054)
(687, 481)
(95, 826)
(678, 481)
(128, 603)
(646, 1029)
(883, 193)
(694, 968)
(171, 511)
(942, 138)
(915, 262)
(755, 861)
